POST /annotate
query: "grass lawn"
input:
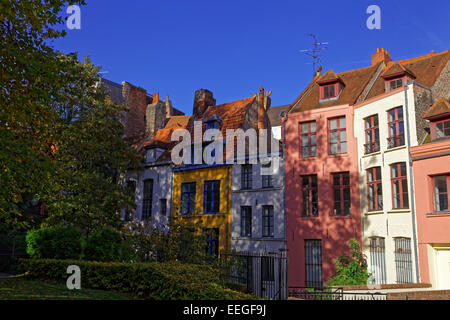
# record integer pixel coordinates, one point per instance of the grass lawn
(22, 289)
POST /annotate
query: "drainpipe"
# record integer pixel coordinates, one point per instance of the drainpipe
(411, 186)
(283, 132)
(228, 203)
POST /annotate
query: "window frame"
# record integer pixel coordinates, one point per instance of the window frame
(341, 187)
(163, 204)
(246, 176)
(310, 189)
(396, 122)
(246, 221)
(400, 179)
(338, 130)
(334, 85)
(309, 135)
(213, 191)
(267, 179)
(447, 180)
(436, 123)
(147, 199)
(190, 206)
(377, 184)
(371, 131)
(268, 221)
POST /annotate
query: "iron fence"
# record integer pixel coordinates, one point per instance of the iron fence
(331, 293)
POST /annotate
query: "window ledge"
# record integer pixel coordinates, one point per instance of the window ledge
(395, 148)
(343, 217)
(438, 214)
(367, 155)
(406, 210)
(369, 213)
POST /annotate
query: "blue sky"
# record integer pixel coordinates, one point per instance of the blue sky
(233, 47)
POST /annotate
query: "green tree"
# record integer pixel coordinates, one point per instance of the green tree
(89, 153)
(350, 270)
(30, 82)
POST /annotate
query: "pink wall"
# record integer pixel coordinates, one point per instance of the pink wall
(430, 228)
(333, 231)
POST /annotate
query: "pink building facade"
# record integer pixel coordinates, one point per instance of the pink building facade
(322, 193)
(431, 168)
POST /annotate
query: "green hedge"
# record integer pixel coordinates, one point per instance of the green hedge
(155, 280)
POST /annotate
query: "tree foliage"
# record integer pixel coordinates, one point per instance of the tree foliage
(60, 136)
(350, 270)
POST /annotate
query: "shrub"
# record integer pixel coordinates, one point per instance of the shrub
(350, 270)
(57, 242)
(154, 280)
(106, 245)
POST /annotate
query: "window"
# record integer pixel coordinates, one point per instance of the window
(267, 221)
(313, 263)
(213, 124)
(131, 186)
(267, 180)
(212, 241)
(441, 194)
(394, 84)
(443, 129)
(246, 221)
(328, 91)
(310, 196)
(341, 189)
(372, 134)
(308, 139)
(337, 135)
(374, 188)
(399, 186)
(267, 270)
(187, 198)
(403, 261)
(396, 128)
(163, 203)
(378, 260)
(246, 176)
(147, 199)
(211, 196)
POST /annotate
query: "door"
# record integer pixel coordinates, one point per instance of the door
(443, 269)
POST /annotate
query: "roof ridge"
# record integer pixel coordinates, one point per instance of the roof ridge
(426, 56)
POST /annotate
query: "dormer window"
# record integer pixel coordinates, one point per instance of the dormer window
(443, 129)
(153, 154)
(213, 124)
(328, 91)
(396, 83)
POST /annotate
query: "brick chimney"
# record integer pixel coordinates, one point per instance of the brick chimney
(380, 55)
(136, 99)
(261, 108)
(169, 110)
(202, 100)
(155, 116)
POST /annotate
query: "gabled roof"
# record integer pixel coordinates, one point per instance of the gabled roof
(274, 114)
(355, 81)
(178, 121)
(232, 113)
(395, 68)
(440, 107)
(426, 70)
(327, 77)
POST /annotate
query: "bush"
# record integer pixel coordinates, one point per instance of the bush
(154, 280)
(106, 245)
(350, 270)
(58, 242)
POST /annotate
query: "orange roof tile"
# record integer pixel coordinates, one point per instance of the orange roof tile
(440, 107)
(178, 121)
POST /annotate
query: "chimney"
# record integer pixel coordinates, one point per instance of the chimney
(155, 97)
(380, 55)
(261, 108)
(136, 99)
(168, 107)
(202, 100)
(267, 100)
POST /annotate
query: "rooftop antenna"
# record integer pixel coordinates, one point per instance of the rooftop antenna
(315, 52)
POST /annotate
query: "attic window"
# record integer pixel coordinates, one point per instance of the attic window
(330, 90)
(395, 83)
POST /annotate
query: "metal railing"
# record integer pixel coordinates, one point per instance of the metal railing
(332, 293)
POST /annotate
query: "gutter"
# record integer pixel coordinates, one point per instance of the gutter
(411, 187)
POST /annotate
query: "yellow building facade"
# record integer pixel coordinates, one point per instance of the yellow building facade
(200, 184)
